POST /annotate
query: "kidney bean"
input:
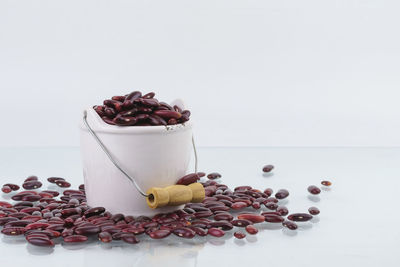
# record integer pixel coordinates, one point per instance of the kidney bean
(199, 231)
(255, 218)
(13, 187)
(62, 183)
(75, 239)
(271, 205)
(135, 230)
(184, 232)
(37, 225)
(238, 205)
(188, 179)
(282, 210)
(251, 229)
(224, 225)
(281, 194)
(326, 183)
(239, 235)
(54, 193)
(54, 179)
(167, 114)
(243, 188)
(31, 178)
(256, 205)
(203, 214)
(6, 189)
(313, 210)
(129, 238)
(241, 222)
(216, 232)
(19, 223)
(31, 198)
(314, 190)
(134, 95)
(18, 215)
(13, 231)
(32, 185)
(87, 230)
(219, 208)
(267, 168)
(300, 217)
(5, 204)
(119, 98)
(5, 220)
(214, 175)
(272, 218)
(172, 121)
(223, 217)
(24, 203)
(40, 241)
(159, 234)
(290, 225)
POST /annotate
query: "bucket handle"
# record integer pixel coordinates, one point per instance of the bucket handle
(113, 161)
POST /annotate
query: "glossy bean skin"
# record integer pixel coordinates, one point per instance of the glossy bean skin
(268, 168)
(251, 229)
(160, 234)
(188, 179)
(105, 237)
(314, 190)
(199, 231)
(184, 232)
(88, 230)
(273, 218)
(75, 239)
(214, 175)
(54, 179)
(6, 189)
(326, 183)
(129, 238)
(282, 194)
(290, 225)
(62, 183)
(255, 218)
(313, 210)
(13, 187)
(238, 205)
(239, 235)
(41, 241)
(216, 232)
(13, 231)
(32, 184)
(300, 217)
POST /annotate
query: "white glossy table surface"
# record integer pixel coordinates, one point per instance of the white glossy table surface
(359, 224)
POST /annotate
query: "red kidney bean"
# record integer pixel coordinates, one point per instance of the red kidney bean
(290, 225)
(251, 229)
(238, 205)
(129, 238)
(32, 185)
(313, 210)
(214, 175)
(31, 198)
(282, 210)
(6, 189)
(255, 218)
(110, 113)
(54, 179)
(272, 218)
(18, 215)
(184, 232)
(239, 235)
(5, 204)
(314, 190)
(224, 225)
(167, 114)
(271, 205)
(14, 231)
(40, 241)
(105, 237)
(54, 193)
(256, 205)
(216, 232)
(136, 231)
(223, 217)
(75, 239)
(300, 217)
(32, 218)
(13, 187)
(188, 179)
(62, 183)
(31, 178)
(268, 168)
(23, 203)
(199, 231)
(219, 208)
(99, 110)
(56, 227)
(5, 220)
(159, 234)
(203, 214)
(326, 183)
(119, 98)
(281, 194)
(134, 95)
(243, 188)
(149, 95)
(125, 121)
(241, 222)
(19, 223)
(116, 105)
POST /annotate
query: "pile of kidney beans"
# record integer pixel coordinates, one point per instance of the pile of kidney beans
(135, 109)
(42, 215)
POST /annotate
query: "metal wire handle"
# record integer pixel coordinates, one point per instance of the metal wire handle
(115, 162)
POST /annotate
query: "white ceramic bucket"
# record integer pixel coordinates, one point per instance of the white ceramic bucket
(156, 156)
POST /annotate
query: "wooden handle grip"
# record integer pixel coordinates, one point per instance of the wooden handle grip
(175, 195)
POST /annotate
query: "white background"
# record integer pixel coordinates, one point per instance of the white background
(272, 73)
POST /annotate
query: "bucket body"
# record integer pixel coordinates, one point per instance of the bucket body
(155, 156)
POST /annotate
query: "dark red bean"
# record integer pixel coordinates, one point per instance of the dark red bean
(243, 188)
(313, 210)
(214, 175)
(188, 179)
(290, 225)
(54, 193)
(31, 178)
(31, 198)
(159, 234)
(314, 190)
(5, 204)
(199, 231)
(117, 217)
(184, 232)
(272, 218)
(271, 205)
(241, 222)
(87, 230)
(238, 205)
(256, 205)
(271, 199)
(251, 229)
(129, 238)
(5, 220)
(62, 183)
(239, 235)
(224, 225)
(203, 214)
(40, 241)
(14, 231)
(223, 217)
(20, 223)
(54, 179)
(110, 113)
(32, 185)
(268, 168)
(13, 187)
(18, 215)
(219, 208)
(216, 232)
(281, 194)
(75, 239)
(282, 210)
(326, 183)
(167, 114)
(119, 98)
(6, 189)
(255, 218)
(300, 217)
(268, 192)
(105, 237)
(134, 95)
